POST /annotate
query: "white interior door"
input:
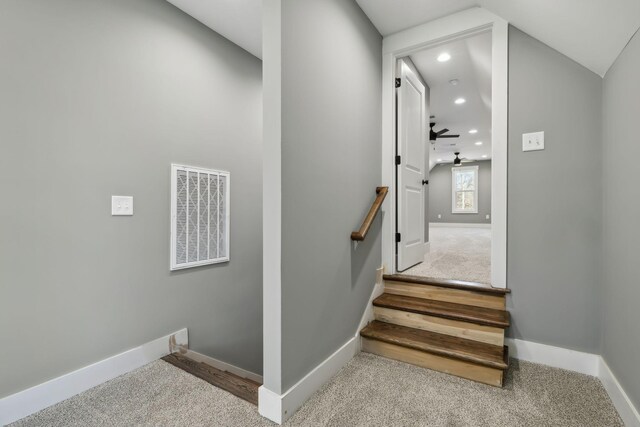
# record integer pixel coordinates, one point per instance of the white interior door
(411, 128)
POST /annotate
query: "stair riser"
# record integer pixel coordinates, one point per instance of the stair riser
(466, 330)
(470, 371)
(458, 296)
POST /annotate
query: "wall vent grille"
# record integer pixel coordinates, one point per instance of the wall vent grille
(199, 216)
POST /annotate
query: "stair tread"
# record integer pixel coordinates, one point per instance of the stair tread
(444, 345)
(243, 388)
(448, 310)
(444, 283)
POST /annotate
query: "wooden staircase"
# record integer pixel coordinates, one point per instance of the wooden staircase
(449, 326)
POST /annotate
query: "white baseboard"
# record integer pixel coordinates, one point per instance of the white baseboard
(427, 247)
(458, 225)
(270, 405)
(367, 315)
(278, 408)
(571, 360)
(41, 396)
(584, 363)
(224, 366)
(621, 401)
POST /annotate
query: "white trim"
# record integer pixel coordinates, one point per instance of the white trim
(462, 24)
(278, 408)
(438, 31)
(427, 247)
(41, 396)
(367, 315)
(557, 357)
(272, 195)
(621, 401)
(454, 190)
(458, 225)
(270, 405)
(223, 366)
(499, 151)
(577, 361)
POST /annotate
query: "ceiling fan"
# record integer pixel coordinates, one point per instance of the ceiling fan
(433, 135)
(458, 160)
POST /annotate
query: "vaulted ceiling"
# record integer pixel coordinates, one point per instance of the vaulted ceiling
(467, 74)
(591, 32)
(237, 20)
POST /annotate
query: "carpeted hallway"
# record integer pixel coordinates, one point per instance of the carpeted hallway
(369, 391)
(457, 253)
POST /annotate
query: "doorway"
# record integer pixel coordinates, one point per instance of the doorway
(452, 228)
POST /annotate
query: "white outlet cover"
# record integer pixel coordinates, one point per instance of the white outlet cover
(121, 205)
(533, 141)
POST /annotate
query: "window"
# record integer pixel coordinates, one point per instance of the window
(464, 186)
(199, 217)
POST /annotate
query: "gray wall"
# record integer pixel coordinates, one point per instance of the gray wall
(440, 195)
(554, 216)
(99, 98)
(621, 210)
(331, 138)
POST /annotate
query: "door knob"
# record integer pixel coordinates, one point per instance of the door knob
(425, 181)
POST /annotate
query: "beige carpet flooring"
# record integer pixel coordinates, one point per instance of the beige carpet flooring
(457, 253)
(369, 391)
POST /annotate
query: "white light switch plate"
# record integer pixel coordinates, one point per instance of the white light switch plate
(533, 141)
(121, 205)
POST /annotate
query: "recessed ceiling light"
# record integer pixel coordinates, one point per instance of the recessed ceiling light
(453, 82)
(479, 143)
(460, 101)
(473, 131)
(484, 156)
(439, 160)
(444, 57)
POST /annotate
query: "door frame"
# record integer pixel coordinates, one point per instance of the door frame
(459, 25)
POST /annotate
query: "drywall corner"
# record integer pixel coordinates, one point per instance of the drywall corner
(272, 196)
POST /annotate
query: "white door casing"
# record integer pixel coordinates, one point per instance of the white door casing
(403, 43)
(411, 128)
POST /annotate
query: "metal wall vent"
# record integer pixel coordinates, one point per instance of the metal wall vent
(199, 216)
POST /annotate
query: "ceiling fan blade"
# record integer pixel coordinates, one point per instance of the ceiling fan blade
(440, 132)
(448, 136)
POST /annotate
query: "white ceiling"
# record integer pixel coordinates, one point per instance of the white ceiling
(470, 64)
(391, 16)
(237, 20)
(591, 32)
